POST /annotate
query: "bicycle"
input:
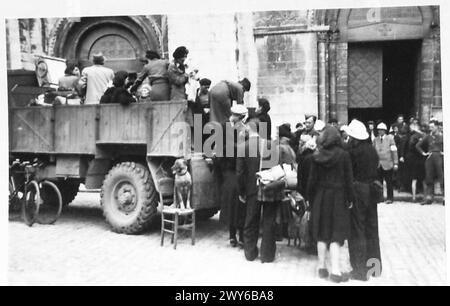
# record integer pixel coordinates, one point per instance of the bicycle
(29, 195)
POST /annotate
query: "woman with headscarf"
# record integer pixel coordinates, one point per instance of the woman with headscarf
(156, 71)
(177, 74)
(330, 190)
(118, 93)
(262, 113)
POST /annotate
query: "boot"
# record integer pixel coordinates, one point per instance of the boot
(427, 194)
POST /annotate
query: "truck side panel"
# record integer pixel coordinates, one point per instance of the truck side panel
(159, 126)
(124, 124)
(75, 129)
(31, 129)
(170, 134)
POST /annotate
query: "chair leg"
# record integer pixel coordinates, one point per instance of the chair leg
(173, 230)
(162, 229)
(176, 232)
(193, 228)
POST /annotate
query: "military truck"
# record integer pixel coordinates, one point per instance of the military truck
(123, 150)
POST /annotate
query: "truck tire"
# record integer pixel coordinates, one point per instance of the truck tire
(128, 197)
(68, 189)
(205, 214)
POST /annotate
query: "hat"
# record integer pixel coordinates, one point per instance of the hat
(319, 125)
(382, 126)
(205, 82)
(180, 52)
(284, 130)
(344, 128)
(119, 78)
(98, 57)
(357, 130)
(239, 109)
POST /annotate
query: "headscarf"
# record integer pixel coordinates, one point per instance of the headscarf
(329, 138)
(119, 78)
(265, 105)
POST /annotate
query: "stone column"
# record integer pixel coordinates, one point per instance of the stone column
(13, 44)
(426, 80)
(437, 83)
(322, 72)
(342, 82)
(334, 37)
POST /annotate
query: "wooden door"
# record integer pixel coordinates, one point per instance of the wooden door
(365, 76)
(120, 47)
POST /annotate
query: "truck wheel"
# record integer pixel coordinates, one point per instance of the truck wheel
(68, 189)
(205, 214)
(128, 197)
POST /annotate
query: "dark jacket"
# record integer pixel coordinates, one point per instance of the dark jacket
(117, 95)
(330, 189)
(364, 162)
(304, 160)
(247, 167)
(264, 116)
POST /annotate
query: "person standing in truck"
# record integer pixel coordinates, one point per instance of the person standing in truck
(96, 79)
(177, 74)
(156, 71)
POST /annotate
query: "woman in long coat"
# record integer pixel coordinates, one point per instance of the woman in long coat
(330, 190)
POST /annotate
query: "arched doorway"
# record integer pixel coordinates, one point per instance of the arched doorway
(123, 41)
(379, 62)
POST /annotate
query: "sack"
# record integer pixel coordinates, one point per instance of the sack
(291, 176)
(271, 175)
(305, 228)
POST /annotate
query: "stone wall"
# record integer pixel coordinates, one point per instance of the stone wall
(287, 75)
(211, 40)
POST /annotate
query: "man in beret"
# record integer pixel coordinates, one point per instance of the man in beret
(222, 95)
(96, 79)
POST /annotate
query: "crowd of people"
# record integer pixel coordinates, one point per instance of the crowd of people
(341, 169)
(159, 80)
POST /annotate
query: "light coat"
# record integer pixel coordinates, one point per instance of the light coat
(387, 151)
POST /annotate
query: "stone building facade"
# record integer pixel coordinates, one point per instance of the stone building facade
(368, 63)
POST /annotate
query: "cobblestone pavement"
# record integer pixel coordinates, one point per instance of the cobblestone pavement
(81, 250)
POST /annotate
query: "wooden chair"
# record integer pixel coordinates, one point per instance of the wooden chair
(171, 217)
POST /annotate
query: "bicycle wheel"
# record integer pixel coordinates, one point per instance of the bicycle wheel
(51, 205)
(30, 203)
